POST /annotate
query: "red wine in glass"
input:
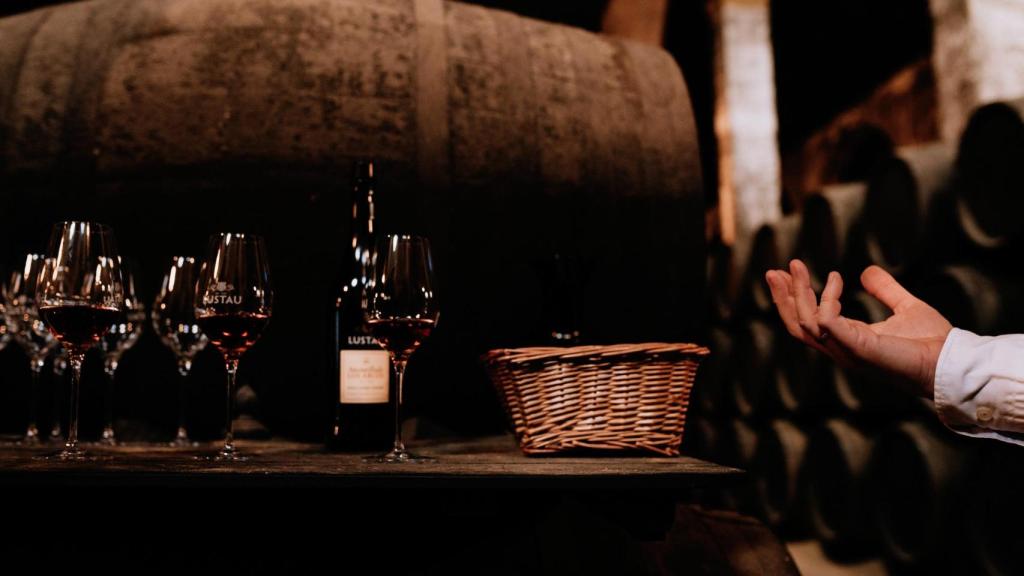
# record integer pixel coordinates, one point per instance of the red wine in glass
(233, 334)
(401, 336)
(79, 326)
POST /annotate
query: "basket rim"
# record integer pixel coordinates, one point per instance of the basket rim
(546, 353)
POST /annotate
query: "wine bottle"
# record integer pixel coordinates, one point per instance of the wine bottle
(362, 369)
(561, 302)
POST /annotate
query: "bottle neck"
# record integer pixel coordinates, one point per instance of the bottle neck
(363, 233)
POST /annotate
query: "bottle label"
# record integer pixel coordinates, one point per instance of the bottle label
(364, 376)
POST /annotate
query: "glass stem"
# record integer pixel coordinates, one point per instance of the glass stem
(110, 368)
(399, 377)
(32, 431)
(184, 367)
(59, 367)
(229, 438)
(75, 359)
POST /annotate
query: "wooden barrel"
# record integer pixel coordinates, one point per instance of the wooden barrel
(838, 494)
(737, 444)
(918, 476)
(975, 300)
(903, 205)
(712, 391)
(858, 151)
(458, 91)
(803, 377)
(778, 475)
(724, 544)
(701, 439)
(502, 138)
(994, 510)
(771, 248)
(990, 174)
(726, 270)
(829, 220)
(753, 368)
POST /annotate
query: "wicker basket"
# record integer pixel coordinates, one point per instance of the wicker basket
(621, 397)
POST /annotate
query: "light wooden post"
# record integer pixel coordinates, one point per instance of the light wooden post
(978, 56)
(746, 124)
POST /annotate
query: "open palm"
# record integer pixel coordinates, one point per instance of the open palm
(907, 343)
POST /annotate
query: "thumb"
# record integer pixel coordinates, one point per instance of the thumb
(885, 288)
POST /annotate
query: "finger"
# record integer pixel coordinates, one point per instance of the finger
(780, 283)
(830, 305)
(885, 288)
(806, 301)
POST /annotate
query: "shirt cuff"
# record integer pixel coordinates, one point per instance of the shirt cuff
(978, 389)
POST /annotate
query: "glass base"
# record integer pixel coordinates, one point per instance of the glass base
(31, 437)
(398, 457)
(72, 455)
(182, 441)
(108, 438)
(225, 454)
(223, 457)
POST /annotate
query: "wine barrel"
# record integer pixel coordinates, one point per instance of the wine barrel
(737, 444)
(726, 269)
(701, 438)
(753, 368)
(995, 509)
(778, 475)
(724, 544)
(771, 248)
(803, 377)
(903, 204)
(504, 139)
(459, 91)
(714, 379)
(829, 220)
(975, 300)
(838, 494)
(859, 150)
(918, 476)
(990, 174)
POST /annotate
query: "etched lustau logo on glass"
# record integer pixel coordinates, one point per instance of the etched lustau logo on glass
(222, 293)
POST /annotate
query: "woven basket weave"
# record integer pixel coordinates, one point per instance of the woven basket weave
(621, 397)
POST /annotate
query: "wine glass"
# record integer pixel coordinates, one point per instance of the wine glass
(174, 319)
(5, 333)
(80, 295)
(122, 335)
(401, 312)
(233, 307)
(23, 322)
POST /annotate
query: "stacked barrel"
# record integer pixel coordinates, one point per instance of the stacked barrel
(852, 458)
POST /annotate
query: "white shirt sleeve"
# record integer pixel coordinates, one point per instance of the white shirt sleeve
(979, 385)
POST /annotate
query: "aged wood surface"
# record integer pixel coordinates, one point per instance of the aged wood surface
(492, 462)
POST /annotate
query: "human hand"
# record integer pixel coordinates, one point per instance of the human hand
(907, 343)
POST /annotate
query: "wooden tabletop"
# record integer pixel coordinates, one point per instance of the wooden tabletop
(493, 462)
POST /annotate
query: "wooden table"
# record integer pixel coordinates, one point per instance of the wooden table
(485, 463)
(482, 507)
